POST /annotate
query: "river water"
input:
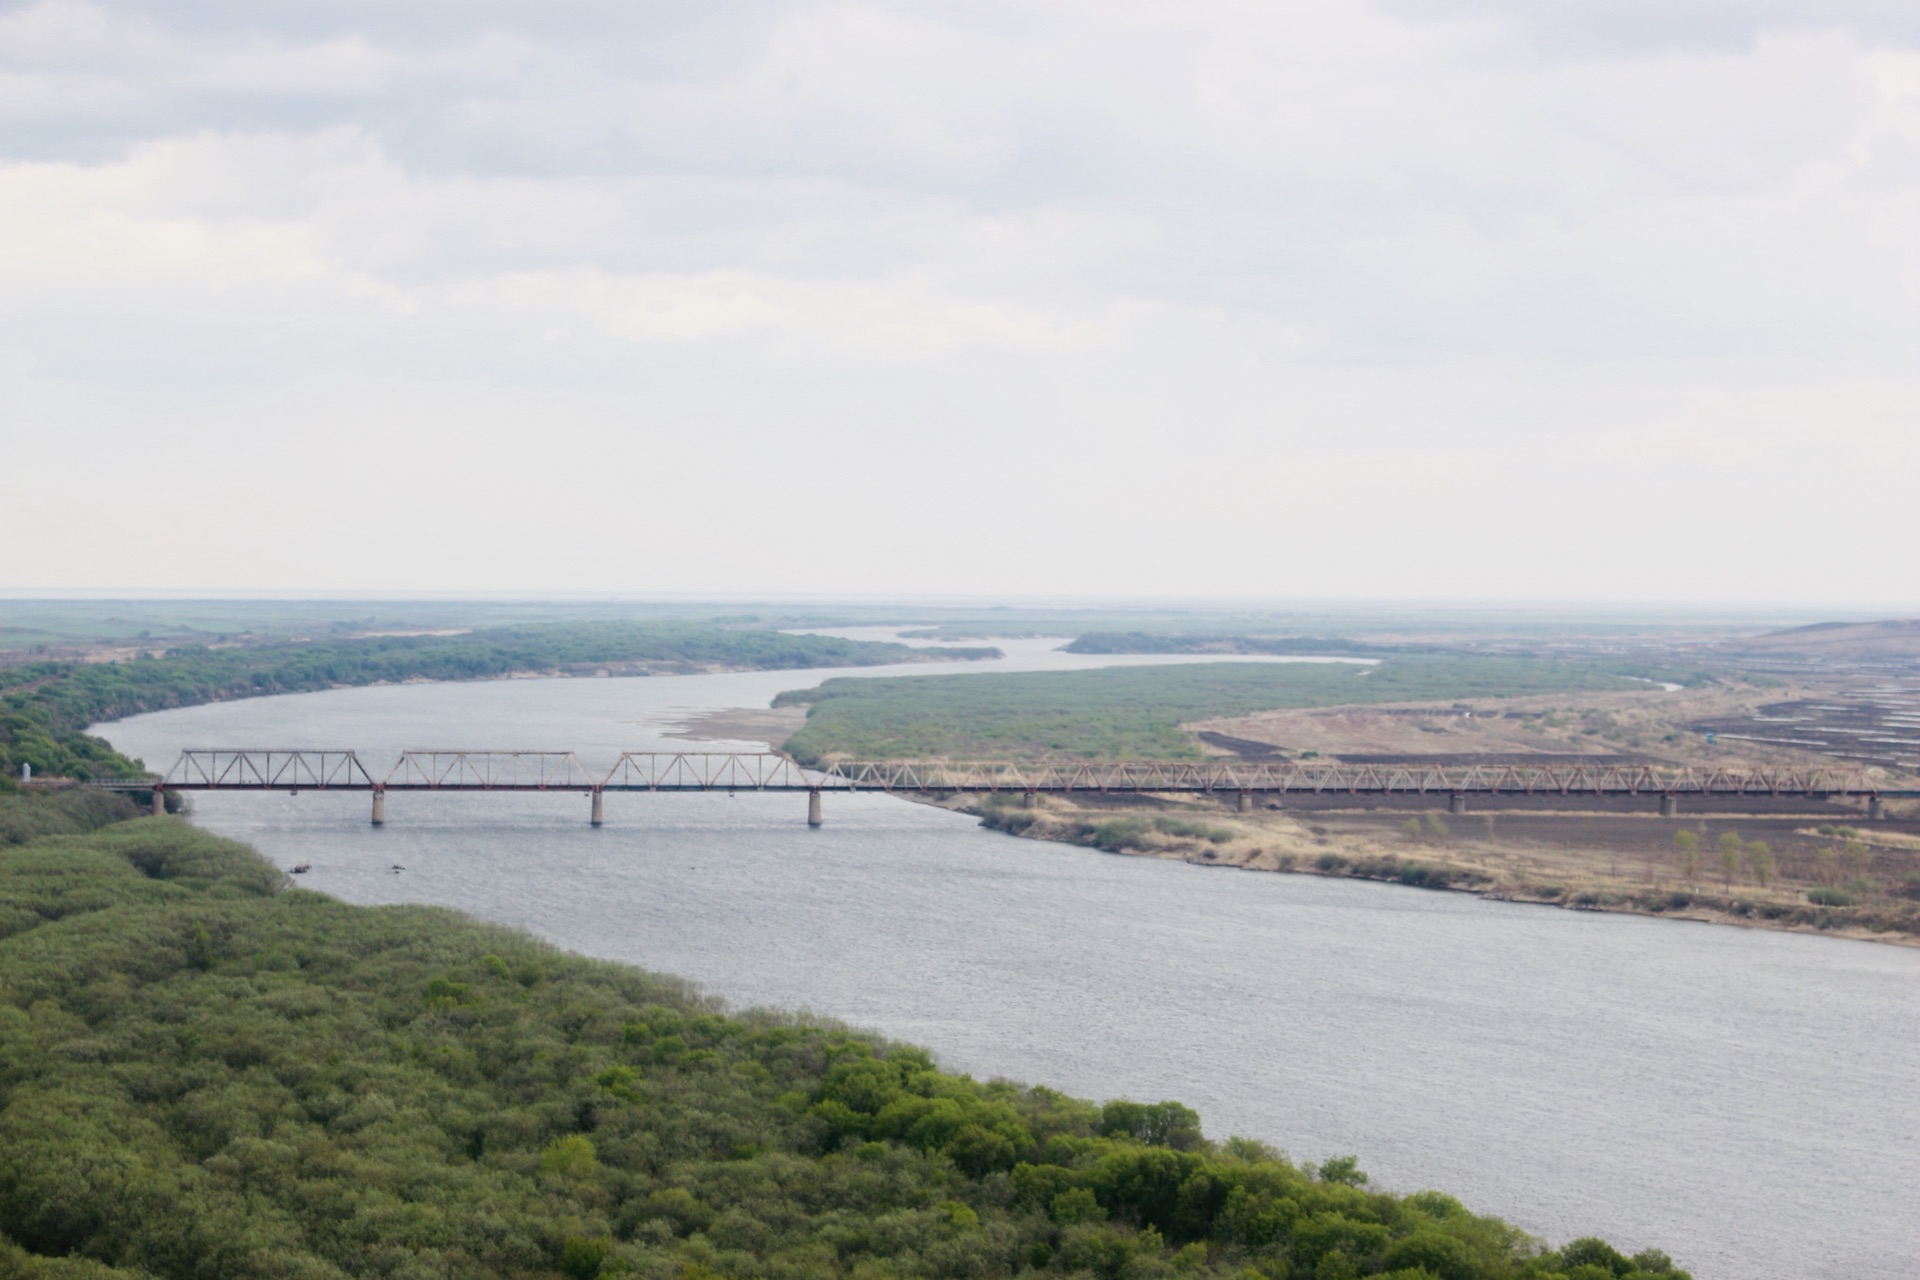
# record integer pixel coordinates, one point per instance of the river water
(1748, 1101)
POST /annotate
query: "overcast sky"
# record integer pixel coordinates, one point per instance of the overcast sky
(1599, 299)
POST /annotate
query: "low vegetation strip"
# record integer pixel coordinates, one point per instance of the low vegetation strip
(1230, 643)
(45, 707)
(204, 1073)
(1130, 713)
(1202, 642)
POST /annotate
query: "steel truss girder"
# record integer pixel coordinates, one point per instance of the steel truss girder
(712, 771)
(294, 769)
(1321, 778)
(502, 770)
(267, 769)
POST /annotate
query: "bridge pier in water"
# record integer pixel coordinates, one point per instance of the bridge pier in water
(1456, 803)
(1669, 806)
(380, 807)
(813, 808)
(599, 817)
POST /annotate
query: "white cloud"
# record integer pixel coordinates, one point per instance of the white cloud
(1117, 280)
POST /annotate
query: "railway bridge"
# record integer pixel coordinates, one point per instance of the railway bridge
(294, 770)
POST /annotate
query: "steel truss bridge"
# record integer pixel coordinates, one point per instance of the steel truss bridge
(297, 770)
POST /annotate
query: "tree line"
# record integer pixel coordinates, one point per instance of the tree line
(46, 707)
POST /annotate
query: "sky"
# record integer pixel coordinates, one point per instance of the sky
(1416, 299)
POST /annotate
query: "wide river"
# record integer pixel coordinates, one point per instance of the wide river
(1748, 1101)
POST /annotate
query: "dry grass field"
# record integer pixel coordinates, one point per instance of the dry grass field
(1801, 866)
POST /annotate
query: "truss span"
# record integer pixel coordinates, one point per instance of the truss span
(263, 769)
(714, 771)
(489, 771)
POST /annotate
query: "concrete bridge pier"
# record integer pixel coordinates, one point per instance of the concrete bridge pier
(599, 817)
(1669, 806)
(1245, 803)
(1456, 803)
(159, 803)
(813, 808)
(1026, 800)
(1876, 808)
(380, 806)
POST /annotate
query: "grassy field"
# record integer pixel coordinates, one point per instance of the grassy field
(1130, 712)
(204, 1073)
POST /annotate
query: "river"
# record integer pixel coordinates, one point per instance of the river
(1748, 1101)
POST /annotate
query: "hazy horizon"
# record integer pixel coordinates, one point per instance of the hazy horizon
(911, 599)
(911, 609)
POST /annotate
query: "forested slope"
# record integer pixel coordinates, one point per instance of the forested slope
(204, 1073)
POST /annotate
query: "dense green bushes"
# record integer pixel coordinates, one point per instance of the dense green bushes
(27, 816)
(29, 735)
(203, 1073)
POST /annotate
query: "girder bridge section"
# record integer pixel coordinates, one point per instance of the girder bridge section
(510, 770)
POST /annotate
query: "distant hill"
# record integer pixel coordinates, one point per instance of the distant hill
(1892, 638)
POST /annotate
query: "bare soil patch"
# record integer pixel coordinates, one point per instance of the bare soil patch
(1657, 726)
(772, 726)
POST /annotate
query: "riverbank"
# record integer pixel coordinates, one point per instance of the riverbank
(1626, 861)
(1787, 871)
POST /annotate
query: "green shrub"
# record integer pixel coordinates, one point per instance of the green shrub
(1423, 876)
(30, 815)
(1116, 834)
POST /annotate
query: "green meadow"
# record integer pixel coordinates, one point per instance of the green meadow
(1131, 713)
